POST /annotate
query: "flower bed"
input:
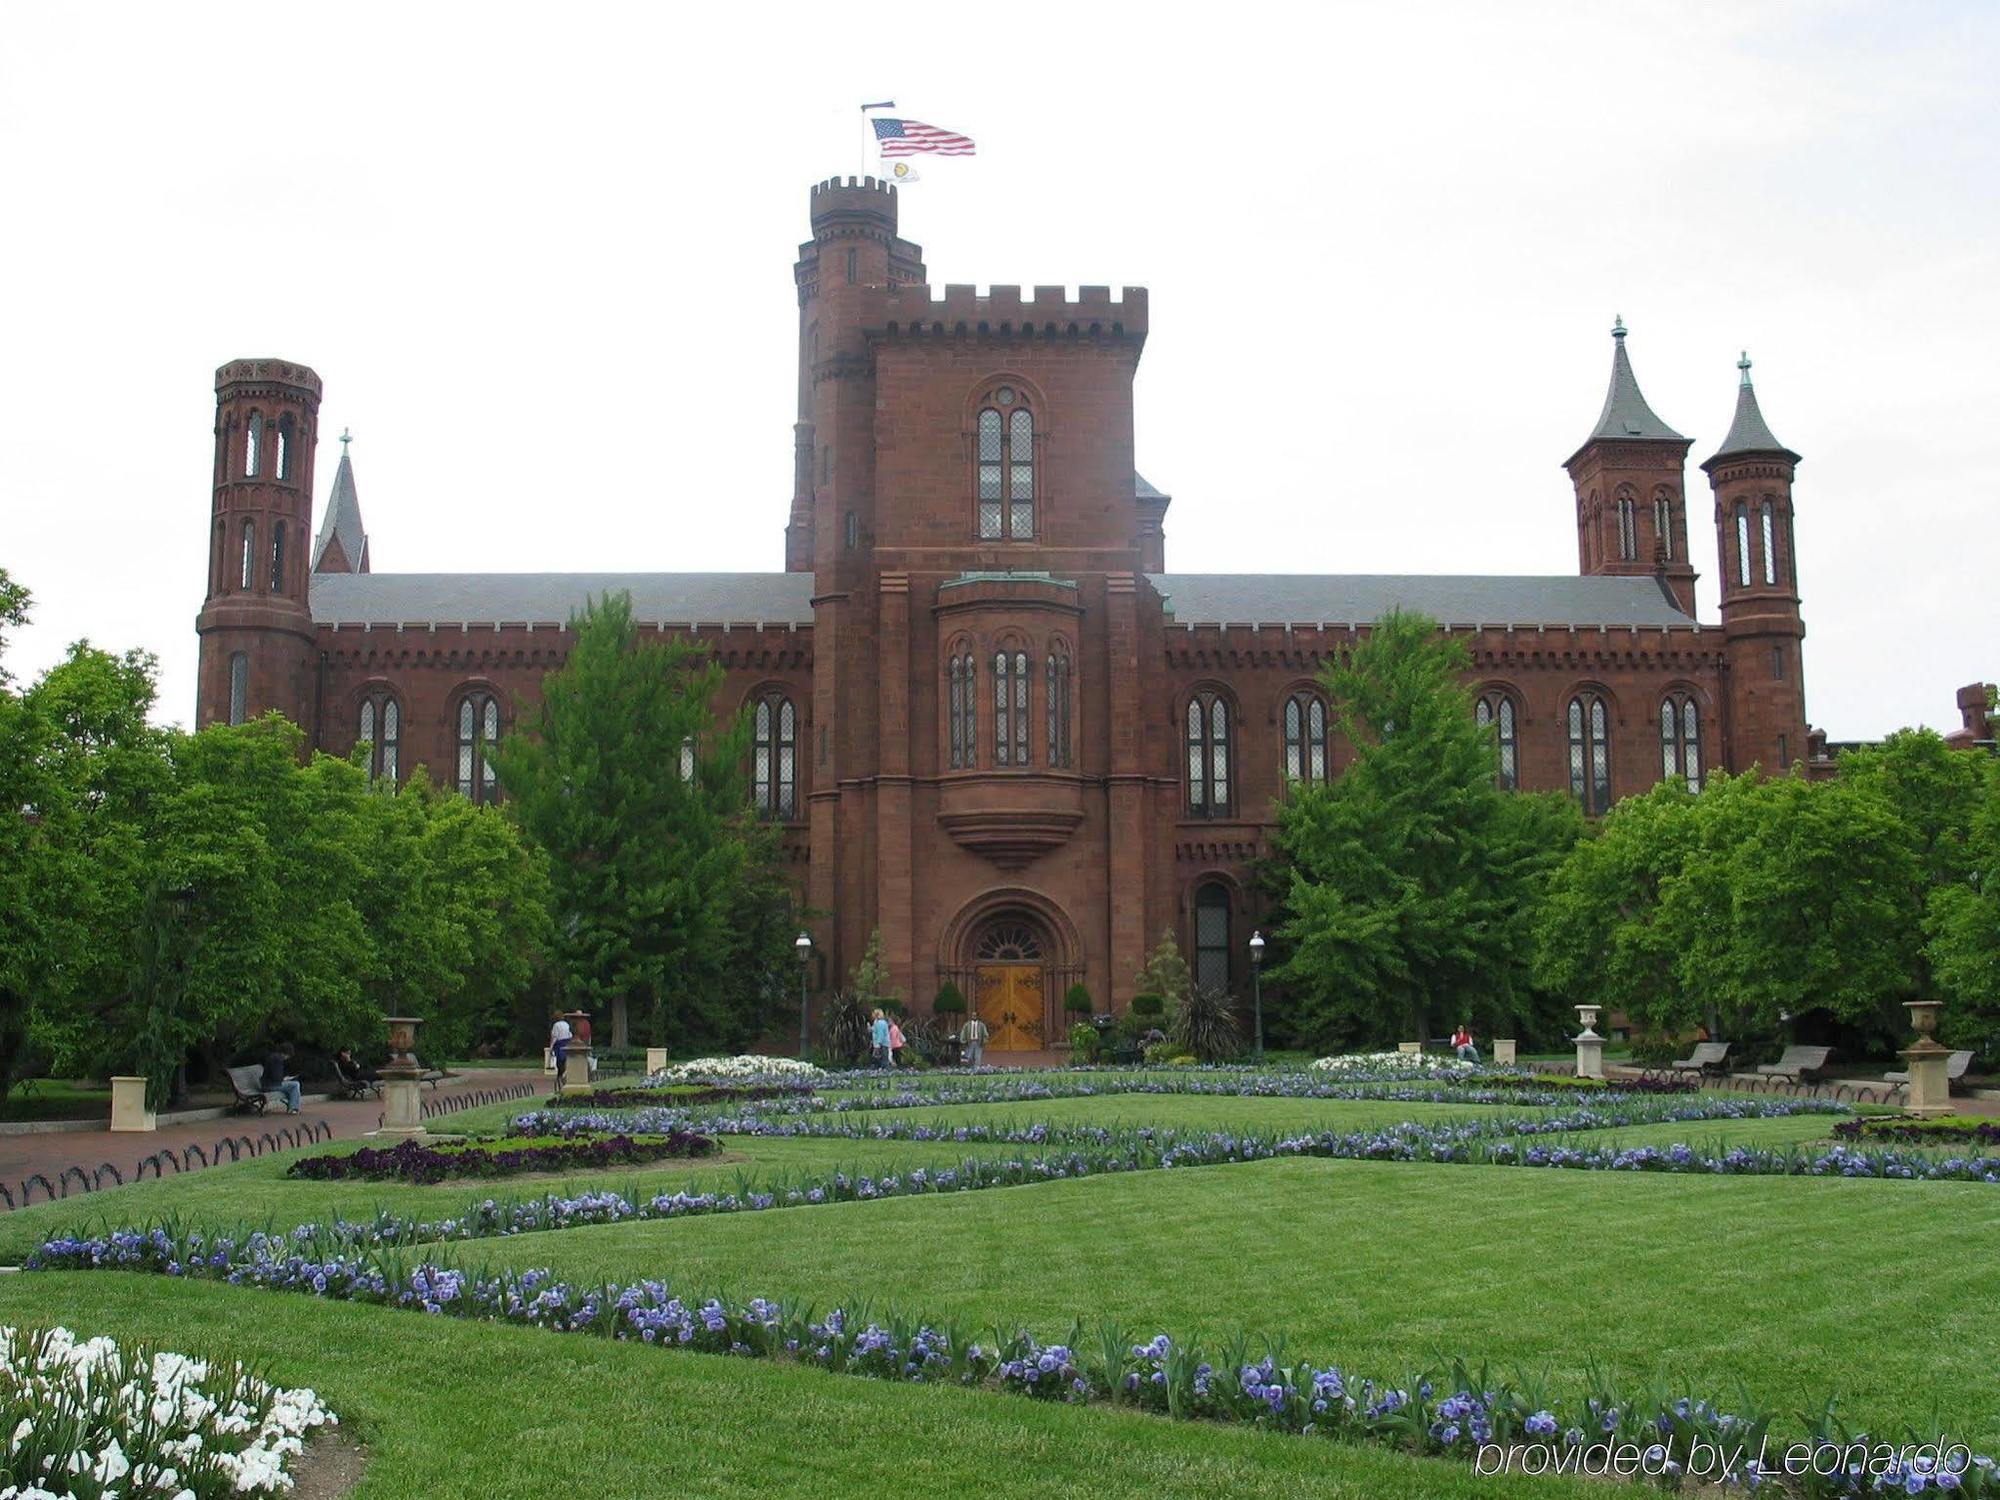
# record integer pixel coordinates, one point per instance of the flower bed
(1950, 1130)
(87, 1419)
(642, 1096)
(743, 1068)
(1445, 1412)
(1384, 1065)
(1563, 1083)
(421, 1161)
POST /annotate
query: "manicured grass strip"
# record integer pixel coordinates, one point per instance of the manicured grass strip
(1877, 1293)
(465, 1411)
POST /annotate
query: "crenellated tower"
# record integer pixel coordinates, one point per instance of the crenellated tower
(1751, 475)
(1631, 503)
(256, 629)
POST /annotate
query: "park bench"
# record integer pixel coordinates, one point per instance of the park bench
(1954, 1072)
(1797, 1063)
(354, 1084)
(1708, 1059)
(247, 1083)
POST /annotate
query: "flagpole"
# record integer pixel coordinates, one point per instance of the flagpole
(868, 130)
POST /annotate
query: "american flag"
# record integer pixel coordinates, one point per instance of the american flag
(908, 137)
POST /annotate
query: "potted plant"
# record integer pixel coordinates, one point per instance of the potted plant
(1077, 1002)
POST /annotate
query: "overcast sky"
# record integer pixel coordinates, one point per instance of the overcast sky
(542, 260)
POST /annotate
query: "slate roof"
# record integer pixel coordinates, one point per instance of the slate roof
(1749, 433)
(1450, 599)
(1142, 488)
(1626, 416)
(343, 520)
(550, 598)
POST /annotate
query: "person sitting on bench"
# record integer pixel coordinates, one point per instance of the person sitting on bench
(275, 1080)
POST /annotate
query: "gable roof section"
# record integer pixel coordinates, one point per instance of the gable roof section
(550, 598)
(340, 531)
(1450, 599)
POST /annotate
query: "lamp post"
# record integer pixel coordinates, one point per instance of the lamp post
(803, 946)
(1257, 988)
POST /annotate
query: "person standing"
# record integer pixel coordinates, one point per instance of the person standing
(895, 1043)
(878, 1041)
(973, 1035)
(559, 1040)
(275, 1080)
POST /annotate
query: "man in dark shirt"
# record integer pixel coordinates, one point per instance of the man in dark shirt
(275, 1081)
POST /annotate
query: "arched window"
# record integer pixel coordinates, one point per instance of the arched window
(284, 447)
(253, 445)
(277, 556)
(1010, 708)
(1663, 523)
(1680, 738)
(1497, 711)
(239, 687)
(853, 266)
(1628, 529)
(478, 733)
(1590, 752)
(1058, 704)
(1742, 545)
(774, 753)
(1305, 738)
(249, 579)
(1006, 468)
(381, 730)
(1770, 544)
(1208, 756)
(1212, 948)
(962, 709)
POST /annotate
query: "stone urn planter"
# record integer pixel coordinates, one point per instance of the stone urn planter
(402, 1109)
(1589, 1045)
(1930, 1089)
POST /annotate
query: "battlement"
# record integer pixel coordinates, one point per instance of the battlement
(267, 373)
(853, 201)
(962, 310)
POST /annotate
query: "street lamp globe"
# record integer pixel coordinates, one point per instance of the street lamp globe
(1256, 947)
(803, 946)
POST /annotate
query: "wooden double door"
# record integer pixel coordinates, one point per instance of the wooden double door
(1009, 998)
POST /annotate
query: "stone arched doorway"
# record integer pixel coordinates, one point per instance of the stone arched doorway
(1013, 960)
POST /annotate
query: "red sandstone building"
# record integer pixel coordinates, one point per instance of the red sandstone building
(995, 726)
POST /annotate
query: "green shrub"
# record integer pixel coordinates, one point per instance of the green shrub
(950, 1000)
(1148, 1004)
(843, 1028)
(1076, 999)
(1084, 1044)
(1206, 1025)
(1651, 1051)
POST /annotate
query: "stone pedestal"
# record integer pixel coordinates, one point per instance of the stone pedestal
(1589, 1045)
(402, 1105)
(128, 1105)
(549, 1061)
(1410, 1047)
(1503, 1051)
(656, 1060)
(576, 1069)
(1930, 1089)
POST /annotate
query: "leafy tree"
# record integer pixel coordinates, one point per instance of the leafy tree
(1962, 927)
(665, 889)
(1408, 882)
(868, 981)
(1165, 973)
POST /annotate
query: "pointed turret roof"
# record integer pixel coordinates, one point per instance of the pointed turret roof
(1749, 433)
(342, 546)
(1626, 416)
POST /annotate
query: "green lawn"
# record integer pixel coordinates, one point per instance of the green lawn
(1189, 1112)
(458, 1411)
(1798, 1287)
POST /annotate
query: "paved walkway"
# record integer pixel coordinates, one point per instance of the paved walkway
(21, 1156)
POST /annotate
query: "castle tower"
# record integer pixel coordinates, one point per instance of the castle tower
(255, 625)
(1631, 507)
(1751, 475)
(854, 251)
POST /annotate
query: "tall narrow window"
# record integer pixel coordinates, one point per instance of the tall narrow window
(1305, 738)
(1590, 752)
(1058, 706)
(253, 446)
(1742, 545)
(1663, 523)
(1784, 752)
(853, 266)
(955, 714)
(1680, 738)
(277, 556)
(853, 531)
(687, 759)
(1770, 544)
(478, 732)
(1020, 708)
(1006, 449)
(380, 728)
(1497, 711)
(284, 448)
(1628, 529)
(239, 687)
(1777, 663)
(774, 775)
(1003, 710)
(1208, 756)
(1212, 948)
(249, 579)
